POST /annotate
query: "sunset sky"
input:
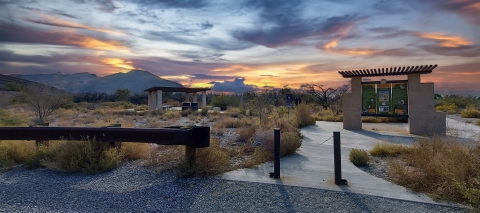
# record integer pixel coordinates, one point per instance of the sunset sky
(236, 45)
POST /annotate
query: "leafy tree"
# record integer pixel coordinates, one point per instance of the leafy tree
(123, 94)
(327, 97)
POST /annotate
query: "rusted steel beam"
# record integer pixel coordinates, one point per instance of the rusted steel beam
(195, 137)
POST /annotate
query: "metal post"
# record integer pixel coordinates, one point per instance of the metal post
(337, 159)
(276, 136)
(117, 145)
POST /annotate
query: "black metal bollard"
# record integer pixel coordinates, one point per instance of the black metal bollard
(276, 137)
(276, 162)
(337, 160)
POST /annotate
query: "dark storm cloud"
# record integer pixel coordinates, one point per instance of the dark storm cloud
(172, 3)
(18, 34)
(10, 56)
(237, 86)
(206, 25)
(106, 5)
(162, 66)
(280, 24)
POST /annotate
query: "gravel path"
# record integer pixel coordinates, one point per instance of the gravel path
(133, 188)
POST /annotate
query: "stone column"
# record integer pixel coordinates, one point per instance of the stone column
(352, 106)
(422, 117)
(159, 99)
(194, 97)
(204, 99)
(150, 100)
(154, 100)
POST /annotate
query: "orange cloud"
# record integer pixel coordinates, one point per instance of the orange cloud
(117, 62)
(92, 43)
(445, 40)
(334, 42)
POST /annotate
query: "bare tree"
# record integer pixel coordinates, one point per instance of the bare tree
(327, 97)
(45, 100)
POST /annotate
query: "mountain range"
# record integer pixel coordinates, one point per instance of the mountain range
(135, 80)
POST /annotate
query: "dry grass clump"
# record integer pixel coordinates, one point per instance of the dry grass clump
(441, 167)
(15, 152)
(471, 113)
(87, 157)
(172, 114)
(163, 157)
(388, 150)
(328, 115)
(369, 119)
(6, 119)
(246, 134)
(134, 151)
(477, 123)
(212, 160)
(358, 157)
(304, 117)
(448, 108)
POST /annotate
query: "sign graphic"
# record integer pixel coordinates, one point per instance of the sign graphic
(388, 98)
(289, 100)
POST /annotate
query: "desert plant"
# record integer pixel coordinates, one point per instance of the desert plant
(304, 116)
(8, 120)
(358, 157)
(134, 151)
(446, 107)
(477, 123)
(388, 150)
(44, 101)
(471, 113)
(15, 152)
(442, 167)
(204, 111)
(87, 157)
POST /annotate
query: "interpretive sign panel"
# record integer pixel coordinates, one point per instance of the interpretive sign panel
(384, 99)
(289, 100)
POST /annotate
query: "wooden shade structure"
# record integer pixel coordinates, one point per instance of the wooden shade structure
(425, 69)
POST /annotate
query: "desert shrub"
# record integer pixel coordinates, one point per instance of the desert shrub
(87, 157)
(388, 150)
(128, 105)
(134, 151)
(477, 123)
(289, 143)
(282, 111)
(470, 113)
(246, 133)
(204, 111)
(446, 107)
(221, 101)
(358, 157)
(141, 108)
(42, 153)
(8, 120)
(15, 152)
(259, 156)
(304, 116)
(161, 157)
(172, 114)
(328, 115)
(212, 160)
(441, 167)
(461, 101)
(185, 113)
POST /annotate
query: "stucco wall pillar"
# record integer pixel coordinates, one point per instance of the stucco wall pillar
(352, 106)
(149, 98)
(423, 119)
(204, 99)
(194, 97)
(159, 99)
(154, 100)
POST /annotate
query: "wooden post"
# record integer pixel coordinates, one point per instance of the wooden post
(113, 144)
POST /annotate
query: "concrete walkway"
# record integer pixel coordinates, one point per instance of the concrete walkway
(312, 166)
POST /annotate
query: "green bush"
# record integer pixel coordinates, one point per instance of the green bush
(470, 113)
(358, 157)
(221, 101)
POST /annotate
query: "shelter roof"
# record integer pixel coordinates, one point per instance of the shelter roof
(424, 69)
(176, 89)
